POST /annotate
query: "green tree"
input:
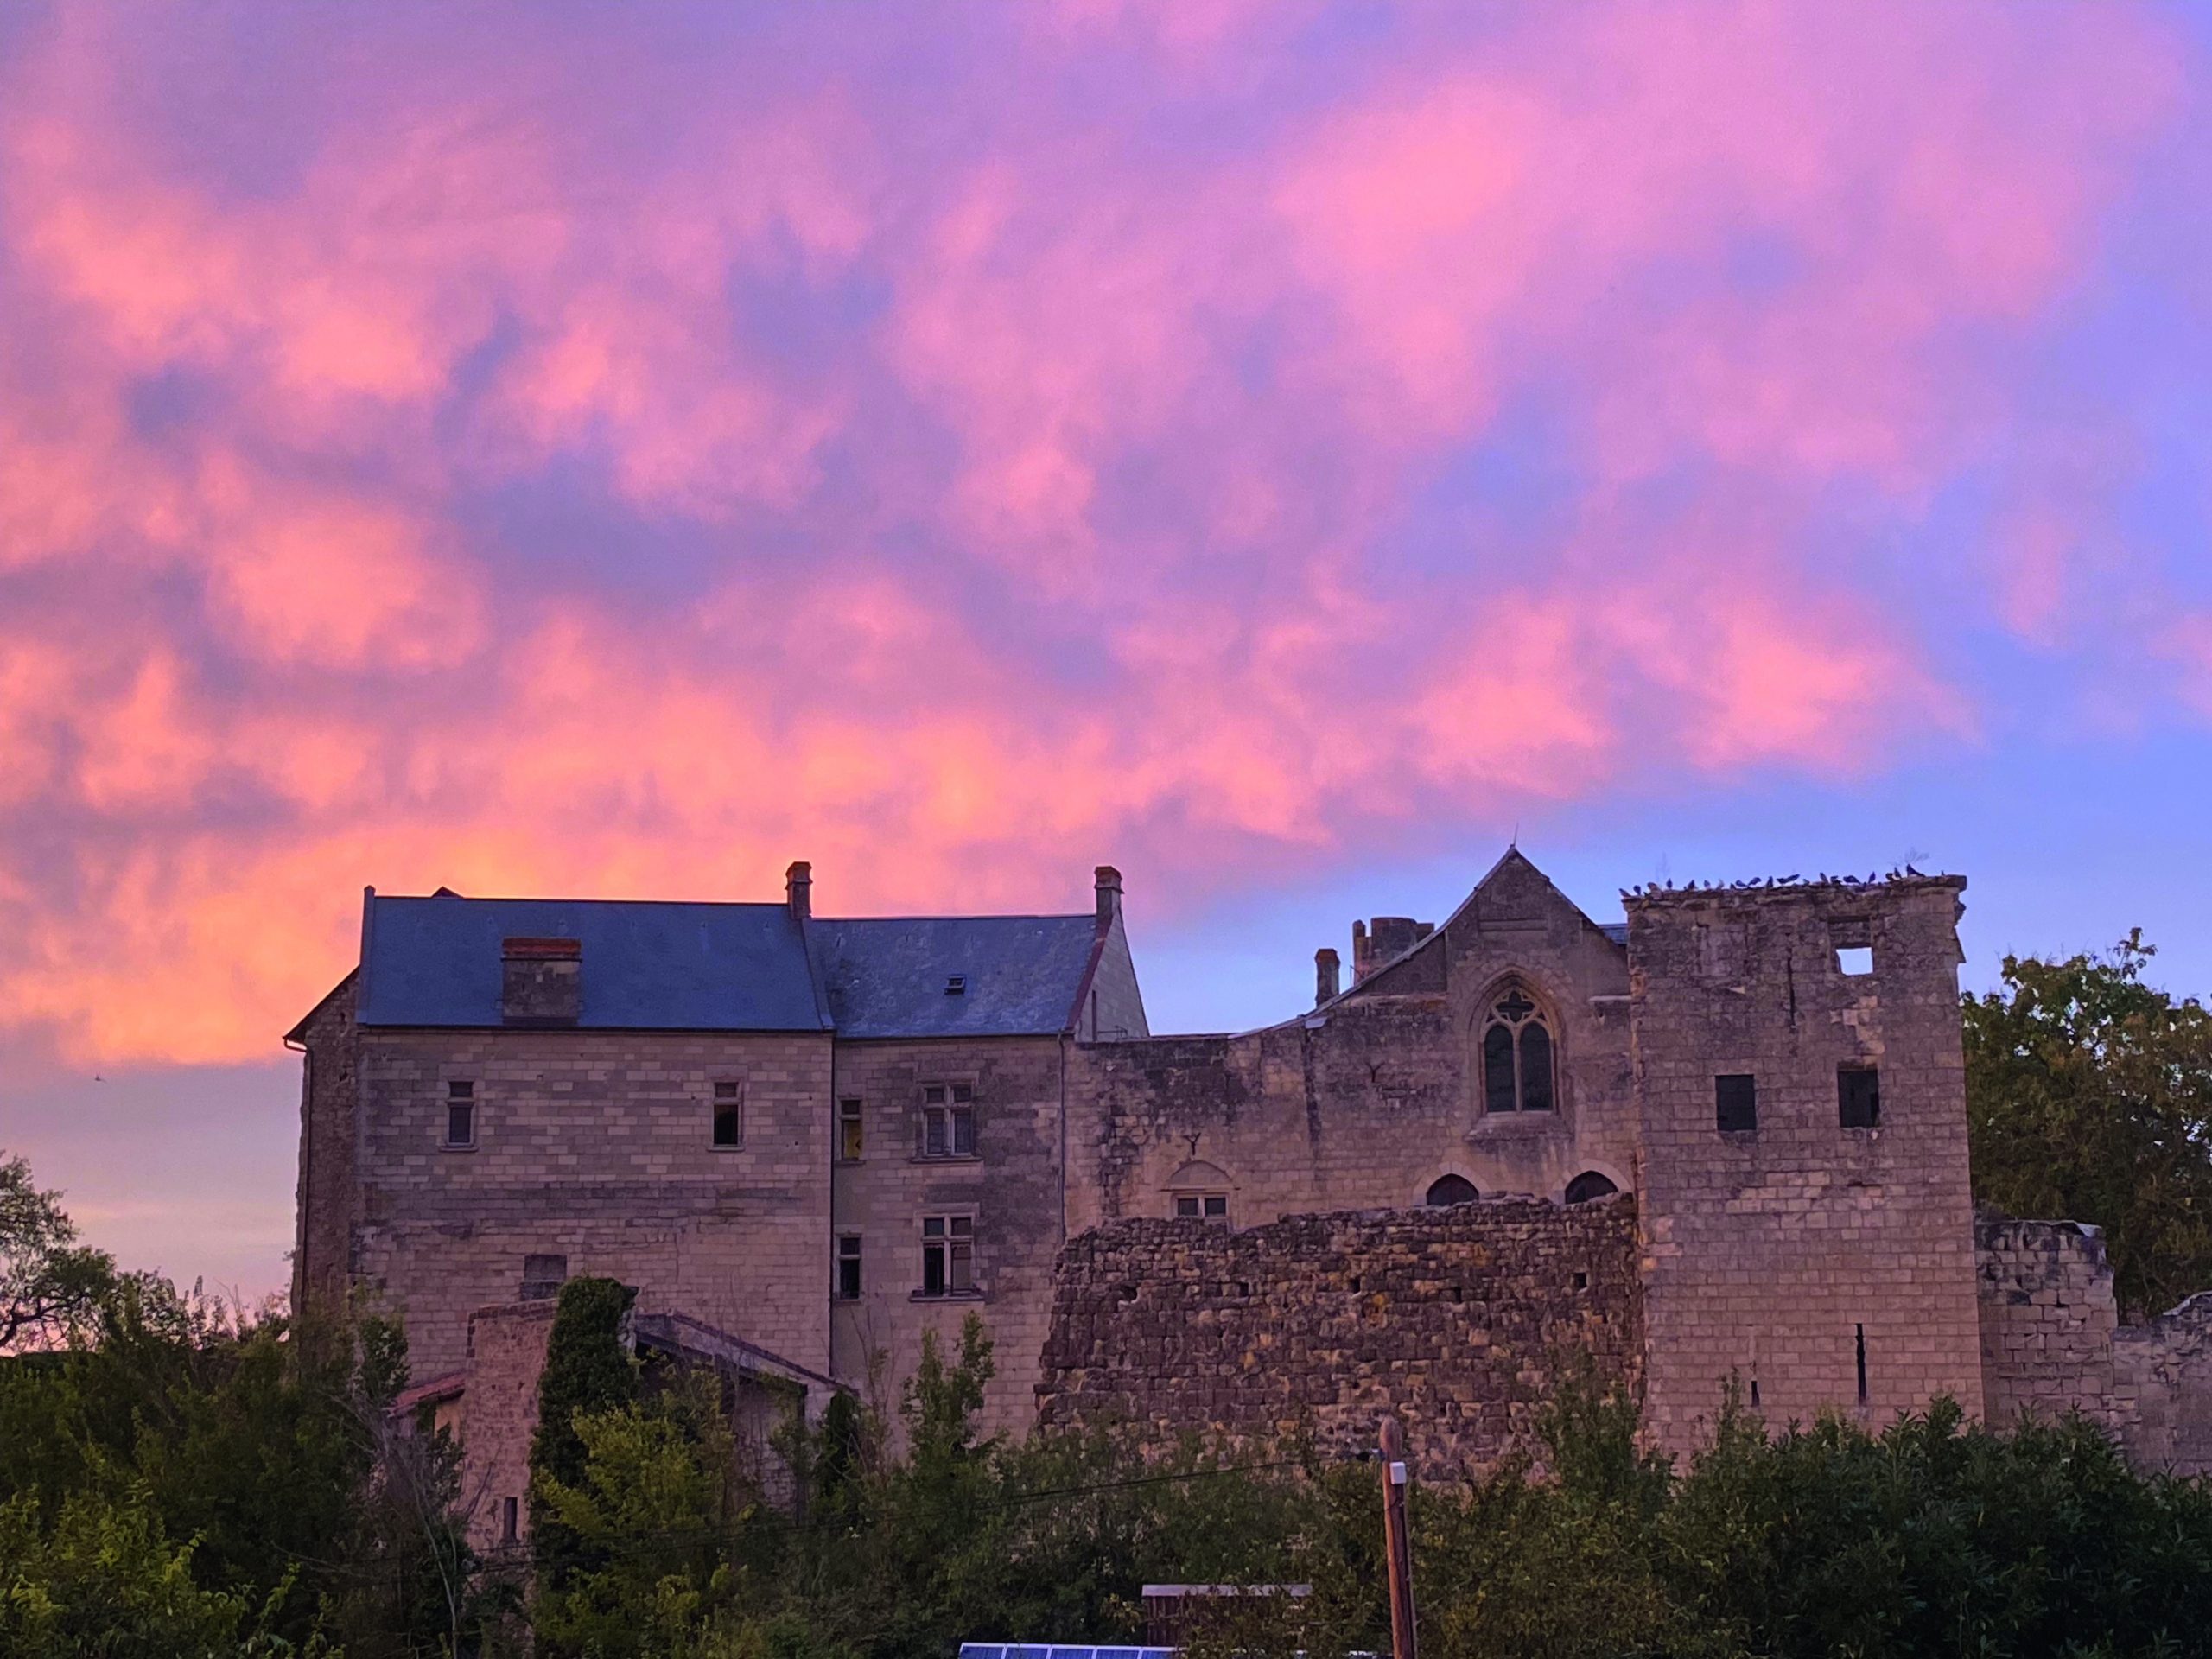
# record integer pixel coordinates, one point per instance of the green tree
(51, 1286)
(2089, 1097)
(587, 1371)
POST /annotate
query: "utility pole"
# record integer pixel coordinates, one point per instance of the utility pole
(1395, 1544)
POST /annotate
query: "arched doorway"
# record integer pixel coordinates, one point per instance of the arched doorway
(1587, 1185)
(1449, 1190)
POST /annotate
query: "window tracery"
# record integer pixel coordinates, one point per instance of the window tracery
(1517, 1056)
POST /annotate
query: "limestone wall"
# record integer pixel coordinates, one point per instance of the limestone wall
(596, 1147)
(1830, 1266)
(1456, 1320)
(1010, 1188)
(506, 1355)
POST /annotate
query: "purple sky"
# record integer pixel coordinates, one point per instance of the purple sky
(1285, 450)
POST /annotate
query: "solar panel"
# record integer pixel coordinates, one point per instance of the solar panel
(980, 1651)
(1122, 1653)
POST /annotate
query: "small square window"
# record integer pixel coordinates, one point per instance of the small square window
(1854, 961)
(848, 1267)
(1736, 1103)
(729, 1114)
(848, 1131)
(1859, 1097)
(1202, 1206)
(460, 1115)
(543, 1277)
(955, 984)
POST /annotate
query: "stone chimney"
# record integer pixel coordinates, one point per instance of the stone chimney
(799, 889)
(541, 982)
(1110, 893)
(1325, 974)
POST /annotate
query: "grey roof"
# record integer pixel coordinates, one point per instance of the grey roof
(1617, 931)
(887, 976)
(646, 965)
(649, 965)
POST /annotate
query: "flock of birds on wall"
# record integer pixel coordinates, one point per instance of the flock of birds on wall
(1873, 879)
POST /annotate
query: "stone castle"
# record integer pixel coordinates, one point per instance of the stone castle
(1723, 1139)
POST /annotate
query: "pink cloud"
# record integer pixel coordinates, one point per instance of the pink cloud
(921, 465)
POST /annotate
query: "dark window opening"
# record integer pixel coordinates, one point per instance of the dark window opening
(948, 1127)
(460, 1113)
(1755, 1391)
(1736, 1103)
(1862, 1365)
(848, 1268)
(729, 1114)
(1590, 1185)
(1202, 1206)
(848, 1131)
(1517, 1058)
(1449, 1190)
(1582, 1281)
(948, 1256)
(543, 1277)
(1859, 1097)
(955, 984)
(509, 1515)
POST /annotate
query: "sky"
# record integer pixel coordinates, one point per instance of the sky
(1288, 451)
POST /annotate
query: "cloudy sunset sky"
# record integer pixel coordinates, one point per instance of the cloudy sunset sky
(1285, 450)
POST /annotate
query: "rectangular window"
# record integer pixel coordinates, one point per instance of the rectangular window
(543, 1277)
(1853, 940)
(1735, 1103)
(1859, 1097)
(509, 1513)
(848, 1131)
(848, 1267)
(948, 1127)
(460, 1113)
(948, 1256)
(729, 1114)
(1862, 1365)
(1208, 1207)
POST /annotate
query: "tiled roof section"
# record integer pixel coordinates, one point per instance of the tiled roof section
(646, 965)
(887, 977)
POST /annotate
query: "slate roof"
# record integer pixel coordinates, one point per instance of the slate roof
(649, 965)
(887, 976)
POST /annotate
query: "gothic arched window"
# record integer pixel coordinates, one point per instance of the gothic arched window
(1589, 1185)
(1516, 1056)
(1451, 1189)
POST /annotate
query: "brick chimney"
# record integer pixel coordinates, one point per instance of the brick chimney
(1110, 893)
(1325, 974)
(799, 889)
(541, 982)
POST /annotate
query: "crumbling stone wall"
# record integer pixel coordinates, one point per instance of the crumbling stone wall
(328, 1193)
(1455, 1319)
(2162, 1388)
(505, 1358)
(2051, 1344)
(2048, 1317)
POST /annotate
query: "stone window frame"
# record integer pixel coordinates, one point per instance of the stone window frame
(852, 1130)
(956, 1226)
(957, 1101)
(1430, 1201)
(1721, 1104)
(716, 1100)
(460, 1092)
(1205, 1183)
(1543, 1012)
(1844, 1104)
(852, 1256)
